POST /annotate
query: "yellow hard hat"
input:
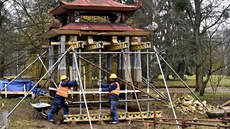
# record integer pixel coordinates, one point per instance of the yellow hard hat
(63, 77)
(113, 76)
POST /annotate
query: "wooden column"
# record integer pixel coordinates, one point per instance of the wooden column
(74, 73)
(137, 72)
(109, 64)
(126, 66)
(51, 61)
(62, 64)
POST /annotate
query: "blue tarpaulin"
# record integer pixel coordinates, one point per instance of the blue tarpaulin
(17, 85)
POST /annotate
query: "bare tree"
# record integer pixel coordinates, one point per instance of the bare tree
(203, 15)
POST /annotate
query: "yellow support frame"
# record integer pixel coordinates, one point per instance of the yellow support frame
(90, 47)
(134, 46)
(117, 46)
(107, 117)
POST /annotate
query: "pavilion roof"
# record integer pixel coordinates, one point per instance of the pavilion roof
(95, 29)
(95, 5)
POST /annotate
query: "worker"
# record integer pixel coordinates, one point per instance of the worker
(114, 91)
(59, 99)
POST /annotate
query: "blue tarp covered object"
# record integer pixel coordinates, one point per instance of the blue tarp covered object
(17, 85)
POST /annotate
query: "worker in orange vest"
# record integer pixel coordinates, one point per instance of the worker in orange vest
(61, 94)
(114, 91)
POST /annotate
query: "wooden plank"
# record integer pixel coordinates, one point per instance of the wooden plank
(55, 43)
(225, 104)
(14, 92)
(45, 46)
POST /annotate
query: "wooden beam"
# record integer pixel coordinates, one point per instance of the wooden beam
(14, 92)
(55, 43)
(45, 46)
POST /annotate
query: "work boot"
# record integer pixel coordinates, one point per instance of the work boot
(114, 122)
(51, 120)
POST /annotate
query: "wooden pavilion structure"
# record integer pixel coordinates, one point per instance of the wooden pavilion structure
(112, 45)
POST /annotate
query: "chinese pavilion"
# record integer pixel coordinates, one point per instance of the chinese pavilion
(102, 41)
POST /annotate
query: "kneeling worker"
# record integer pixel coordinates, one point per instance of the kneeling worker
(114, 91)
(59, 99)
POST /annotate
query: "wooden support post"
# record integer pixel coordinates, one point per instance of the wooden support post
(114, 39)
(24, 88)
(137, 72)
(62, 49)
(84, 78)
(89, 40)
(5, 90)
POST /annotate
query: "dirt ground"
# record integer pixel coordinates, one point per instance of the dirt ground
(24, 117)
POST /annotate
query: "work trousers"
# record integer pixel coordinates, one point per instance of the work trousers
(58, 101)
(113, 110)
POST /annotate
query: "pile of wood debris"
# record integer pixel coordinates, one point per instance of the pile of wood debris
(187, 103)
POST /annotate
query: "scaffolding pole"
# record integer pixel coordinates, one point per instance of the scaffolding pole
(82, 90)
(147, 80)
(78, 69)
(99, 81)
(86, 53)
(166, 86)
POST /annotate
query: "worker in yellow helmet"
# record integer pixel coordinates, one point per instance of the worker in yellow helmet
(114, 91)
(62, 93)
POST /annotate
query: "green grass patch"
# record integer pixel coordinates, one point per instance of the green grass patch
(215, 98)
(190, 81)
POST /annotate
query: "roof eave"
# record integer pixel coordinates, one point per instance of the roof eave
(56, 32)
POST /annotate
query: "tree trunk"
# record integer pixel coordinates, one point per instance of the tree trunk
(199, 67)
(2, 69)
(1, 41)
(204, 84)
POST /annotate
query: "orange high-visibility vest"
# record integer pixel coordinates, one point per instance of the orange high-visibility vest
(63, 91)
(115, 91)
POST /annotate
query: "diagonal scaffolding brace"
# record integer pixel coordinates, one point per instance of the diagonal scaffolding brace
(166, 86)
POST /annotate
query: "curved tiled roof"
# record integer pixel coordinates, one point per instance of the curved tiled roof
(100, 5)
(99, 27)
(95, 29)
